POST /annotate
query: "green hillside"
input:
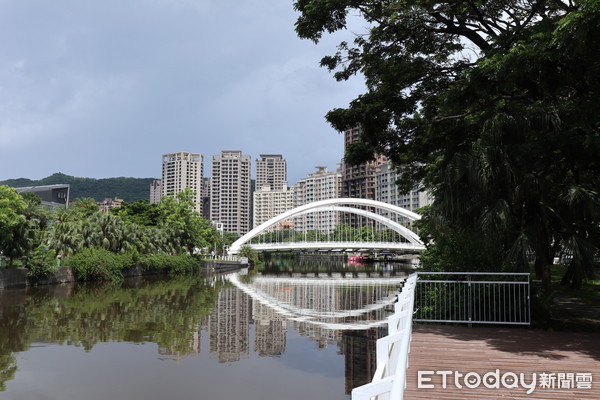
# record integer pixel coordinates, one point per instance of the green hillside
(129, 189)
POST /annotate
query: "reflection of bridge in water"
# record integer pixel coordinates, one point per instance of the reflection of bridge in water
(333, 309)
(333, 303)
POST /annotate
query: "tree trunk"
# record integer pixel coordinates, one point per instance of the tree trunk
(543, 266)
(546, 278)
(577, 280)
(573, 276)
(539, 268)
(566, 279)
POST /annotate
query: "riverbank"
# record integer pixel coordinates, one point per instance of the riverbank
(18, 277)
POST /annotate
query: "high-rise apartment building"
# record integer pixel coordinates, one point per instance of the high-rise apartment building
(271, 169)
(272, 195)
(321, 185)
(230, 191)
(269, 203)
(183, 170)
(387, 191)
(358, 181)
(155, 191)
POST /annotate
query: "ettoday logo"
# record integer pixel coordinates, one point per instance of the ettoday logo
(509, 380)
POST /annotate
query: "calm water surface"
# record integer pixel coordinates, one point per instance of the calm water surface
(294, 330)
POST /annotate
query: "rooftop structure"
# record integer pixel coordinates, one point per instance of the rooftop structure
(51, 195)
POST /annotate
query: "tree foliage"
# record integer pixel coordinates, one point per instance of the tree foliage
(493, 105)
(14, 235)
(12, 207)
(140, 212)
(129, 189)
(169, 228)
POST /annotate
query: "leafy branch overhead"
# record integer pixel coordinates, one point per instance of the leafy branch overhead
(492, 104)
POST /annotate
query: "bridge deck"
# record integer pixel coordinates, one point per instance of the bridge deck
(339, 246)
(482, 349)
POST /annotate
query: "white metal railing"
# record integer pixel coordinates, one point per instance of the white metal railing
(353, 245)
(389, 379)
(462, 297)
(242, 260)
(473, 298)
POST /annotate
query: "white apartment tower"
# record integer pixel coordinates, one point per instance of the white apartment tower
(271, 169)
(230, 191)
(269, 203)
(321, 185)
(183, 170)
(272, 195)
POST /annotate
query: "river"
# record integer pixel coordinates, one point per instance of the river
(291, 329)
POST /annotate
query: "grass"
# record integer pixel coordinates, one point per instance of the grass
(572, 309)
(589, 292)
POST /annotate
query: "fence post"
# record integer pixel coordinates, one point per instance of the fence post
(529, 298)
(470, 300)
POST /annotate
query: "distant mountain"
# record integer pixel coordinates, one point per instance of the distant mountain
(129, 189)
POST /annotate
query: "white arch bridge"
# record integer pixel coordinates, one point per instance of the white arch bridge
(326, 225)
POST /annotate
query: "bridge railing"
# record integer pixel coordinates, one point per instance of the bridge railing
(456, 297)
(354, 245)
(392, 351)
(473, 298)
(232, 258)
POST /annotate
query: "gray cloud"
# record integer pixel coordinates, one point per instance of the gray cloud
(103, 88)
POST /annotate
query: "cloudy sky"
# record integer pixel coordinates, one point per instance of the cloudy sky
(102, 88)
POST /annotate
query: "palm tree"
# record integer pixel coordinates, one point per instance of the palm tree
(65, 238)
(89, 232)
(497, 187)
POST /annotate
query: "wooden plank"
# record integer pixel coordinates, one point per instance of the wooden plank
(517, 350)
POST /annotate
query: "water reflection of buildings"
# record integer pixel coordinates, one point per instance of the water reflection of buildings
(228, 326)
(359, 349)
(269, 330)
(314, 308)
(343, 300)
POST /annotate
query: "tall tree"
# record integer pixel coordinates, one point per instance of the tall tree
(12, 206)
(14, 237)
(140, 212)
(179, 216)
(492, 104)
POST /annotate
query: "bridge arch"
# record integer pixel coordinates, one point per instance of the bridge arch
(336, 204)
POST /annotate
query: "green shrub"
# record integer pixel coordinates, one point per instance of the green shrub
(94, 264)
(153, 261)
(41, 262)
(171, 263)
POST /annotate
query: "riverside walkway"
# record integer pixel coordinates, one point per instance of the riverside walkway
(518, 350)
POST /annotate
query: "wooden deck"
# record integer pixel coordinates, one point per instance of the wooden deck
(483, 349)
